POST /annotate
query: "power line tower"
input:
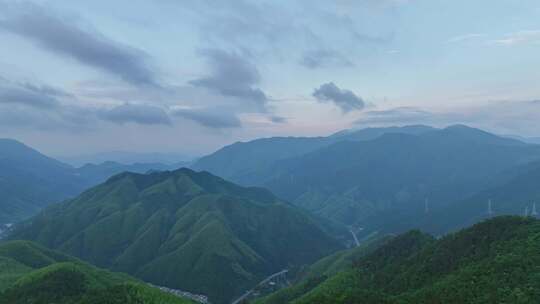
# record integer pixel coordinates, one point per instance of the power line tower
(426, 206)
(534, 213)
(490, 208)
(526, 211)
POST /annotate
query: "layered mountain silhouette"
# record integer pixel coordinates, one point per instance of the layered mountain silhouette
(30, 180)
(388, 176)
(182, 229)
(239, 162)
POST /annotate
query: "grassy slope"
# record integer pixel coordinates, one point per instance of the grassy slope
(182, 229)
(496, 261)
(32, 274)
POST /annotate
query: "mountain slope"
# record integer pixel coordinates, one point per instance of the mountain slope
(516, 194)
(238, 161)
(321, 270)
(496, 261)
(29, 180)
(182, 229)
(33, 274)
(391, 176)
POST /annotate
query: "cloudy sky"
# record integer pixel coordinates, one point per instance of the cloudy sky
(79, 77)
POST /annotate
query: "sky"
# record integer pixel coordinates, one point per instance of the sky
(190, 76)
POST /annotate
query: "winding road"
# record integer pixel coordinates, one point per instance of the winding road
(268, 279)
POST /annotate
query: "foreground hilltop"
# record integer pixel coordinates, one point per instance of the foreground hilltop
(32, 274)
(496, 261)
(182, 229)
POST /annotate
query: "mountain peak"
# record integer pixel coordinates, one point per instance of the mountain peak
(172, 228)
(466, 133)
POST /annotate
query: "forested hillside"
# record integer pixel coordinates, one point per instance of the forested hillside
(182, 229)
(496, 261)
(32, 274)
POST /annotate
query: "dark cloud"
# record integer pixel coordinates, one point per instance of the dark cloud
(89, 48)
(232, 75)
(43, 97)
(324, 58)
(210, 118)
(139, 114)
(346, 100)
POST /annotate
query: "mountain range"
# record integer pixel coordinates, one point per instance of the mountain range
(184, 230)
(199, 232)
(238, 161)
(371, 177)
(129, 158)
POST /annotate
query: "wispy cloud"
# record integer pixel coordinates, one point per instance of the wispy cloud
(30, 95)
(463, 38)
(518, 38)
(324, 58)
(93, 49)
(136, 113)
(211, 118)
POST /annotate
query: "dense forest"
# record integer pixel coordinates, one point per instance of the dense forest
(31, 274)
(183, 229)
(496, 261)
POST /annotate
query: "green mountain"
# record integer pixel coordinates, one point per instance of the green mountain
(387, 179)
(496, 261)
(32, 274)
(29, 180)
(182, 229)
(239, 162)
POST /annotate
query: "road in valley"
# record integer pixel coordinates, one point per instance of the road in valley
(268, 279)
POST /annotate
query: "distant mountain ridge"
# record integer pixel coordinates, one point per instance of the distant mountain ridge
(236, 162)
(182, 229)
(128, 158)
(30, 180)
(372, 175)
